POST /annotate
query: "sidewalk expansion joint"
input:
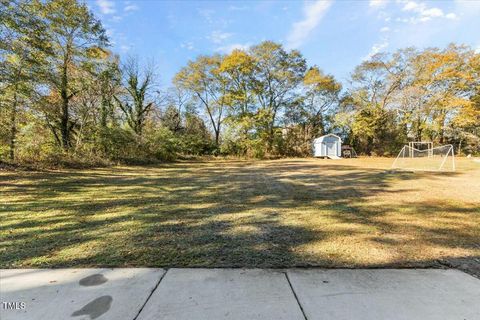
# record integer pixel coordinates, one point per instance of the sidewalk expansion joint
(151, 293)
(295, 295)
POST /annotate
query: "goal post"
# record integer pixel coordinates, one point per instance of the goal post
(422, 145)
(440, 158)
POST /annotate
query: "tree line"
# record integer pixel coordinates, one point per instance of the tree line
(64, 96)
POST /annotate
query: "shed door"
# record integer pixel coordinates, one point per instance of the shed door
(331, 149)
(317, 149)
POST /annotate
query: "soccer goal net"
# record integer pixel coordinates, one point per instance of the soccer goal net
(430, 159)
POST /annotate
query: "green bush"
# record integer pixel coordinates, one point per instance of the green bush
(161, 144)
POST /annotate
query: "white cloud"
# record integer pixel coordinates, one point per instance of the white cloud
(313, 14)
(467, 8)
(130, 7)
(188, 45)
(218, 36)
(377, 3)
(229, 48)
(451, 16)
(410, 6)
(237, 8)
(426, 30)
(433, 12)
(116, 18)
(385, 29)
(125, 48)
(376, 48)
(423, 13)
(477, 50)
(106, 6)
(207, 14)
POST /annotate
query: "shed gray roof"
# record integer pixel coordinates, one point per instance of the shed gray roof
(327, 135)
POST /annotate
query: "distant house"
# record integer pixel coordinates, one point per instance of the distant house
(329, 146)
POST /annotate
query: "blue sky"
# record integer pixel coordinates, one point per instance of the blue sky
(335, 35)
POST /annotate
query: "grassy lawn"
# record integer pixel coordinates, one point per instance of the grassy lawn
(281, 213)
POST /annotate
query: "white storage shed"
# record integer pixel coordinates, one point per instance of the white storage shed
(329, 146)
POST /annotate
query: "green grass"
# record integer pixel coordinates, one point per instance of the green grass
(281, 213)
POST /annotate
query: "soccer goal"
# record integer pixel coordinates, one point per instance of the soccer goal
(422, 145)
(440, 158)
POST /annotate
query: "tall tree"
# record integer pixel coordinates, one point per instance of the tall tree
(447, 79)
(22, 41)
(76, 39)
(203, 78)
(278, 74)
(321, 94)
(108, 84)
(310, 114)
(238, 68)
(138, 98)
(178, 103)
(373, 87)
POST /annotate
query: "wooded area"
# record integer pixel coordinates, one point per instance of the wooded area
(65, 97)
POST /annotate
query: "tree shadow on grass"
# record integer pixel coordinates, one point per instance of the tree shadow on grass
(220, 214)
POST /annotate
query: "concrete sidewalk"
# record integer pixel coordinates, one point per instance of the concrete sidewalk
(147, 294)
